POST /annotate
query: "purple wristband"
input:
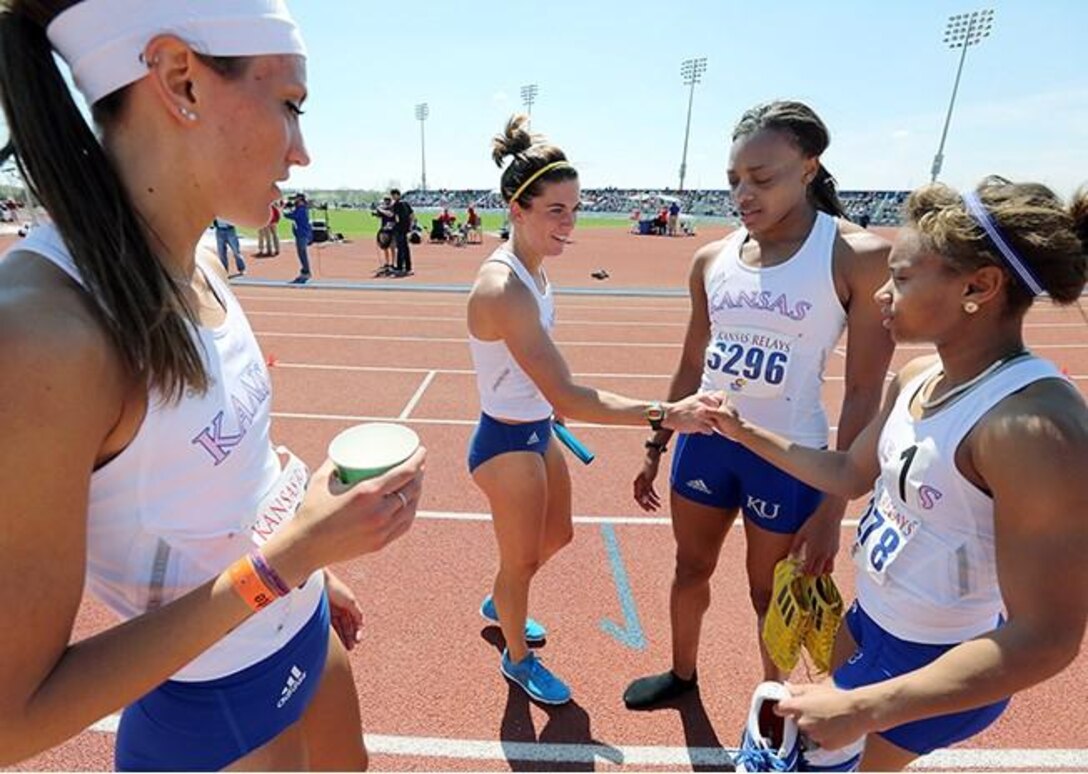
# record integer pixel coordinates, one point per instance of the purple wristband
(268, 575)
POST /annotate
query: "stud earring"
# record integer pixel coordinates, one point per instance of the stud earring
(186, 113)
(970, 307)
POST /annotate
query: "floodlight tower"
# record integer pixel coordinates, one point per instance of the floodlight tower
(422, 111)
(528, 96)
(963, 31)
(691, 71)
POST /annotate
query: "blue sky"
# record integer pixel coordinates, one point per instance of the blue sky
(611, 93)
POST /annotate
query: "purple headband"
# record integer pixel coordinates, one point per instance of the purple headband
(1012, 260)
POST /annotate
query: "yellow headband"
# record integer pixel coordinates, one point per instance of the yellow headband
(535, 175)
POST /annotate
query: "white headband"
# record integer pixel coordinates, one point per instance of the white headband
(103, 41)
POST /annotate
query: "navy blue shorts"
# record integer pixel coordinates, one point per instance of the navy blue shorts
(882, 656)
(494, 437)
(717, 472)
(205, 726)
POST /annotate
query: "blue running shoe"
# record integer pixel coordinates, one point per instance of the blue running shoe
(769, 742)
(534, 630)
(535, 679)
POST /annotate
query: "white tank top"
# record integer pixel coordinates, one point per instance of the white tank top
(196, 489)
(927, 571)
(771, 330)
(506, 391)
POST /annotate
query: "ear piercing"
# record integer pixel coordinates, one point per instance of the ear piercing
(968, 306)
(187, 114)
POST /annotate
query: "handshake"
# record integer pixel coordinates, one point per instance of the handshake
(705, 413)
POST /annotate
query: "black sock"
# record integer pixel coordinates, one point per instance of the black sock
(650, 691)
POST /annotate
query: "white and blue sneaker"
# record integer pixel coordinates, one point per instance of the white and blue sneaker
(535, 679)
(534, 630)
(769, 742)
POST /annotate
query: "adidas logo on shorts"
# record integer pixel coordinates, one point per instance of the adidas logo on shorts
(698, 485)
(534, 438)
(294, 681)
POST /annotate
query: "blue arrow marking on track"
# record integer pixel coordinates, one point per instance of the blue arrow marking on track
(630, 634)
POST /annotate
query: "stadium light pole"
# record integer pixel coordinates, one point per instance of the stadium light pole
(963, 31)
(528, 96)
(691, 70)
(422, 111)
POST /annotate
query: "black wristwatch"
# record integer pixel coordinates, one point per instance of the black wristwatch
(655, 415)
(660, 446)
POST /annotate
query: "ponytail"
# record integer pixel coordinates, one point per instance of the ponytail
(824, 195)
(139, 304)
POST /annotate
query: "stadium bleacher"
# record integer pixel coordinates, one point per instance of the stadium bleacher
(883, 207)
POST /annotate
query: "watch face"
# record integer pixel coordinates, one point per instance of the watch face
(655, 413)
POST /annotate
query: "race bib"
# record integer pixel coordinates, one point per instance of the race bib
(751, 361)
(883, 532)
(282, 501)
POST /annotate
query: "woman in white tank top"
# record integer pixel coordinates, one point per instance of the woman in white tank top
(768, 306)
(135, 406)
(522, 378)
(972, 552)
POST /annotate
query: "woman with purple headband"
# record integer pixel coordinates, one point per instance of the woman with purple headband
(135, 406)
(971, 578)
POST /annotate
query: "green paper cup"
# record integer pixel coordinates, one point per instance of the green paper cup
(368, 450)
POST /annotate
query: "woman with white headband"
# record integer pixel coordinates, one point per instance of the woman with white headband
(135, 406)
(523, 380)
(972, 582)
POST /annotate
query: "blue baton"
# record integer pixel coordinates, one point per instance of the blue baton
(576, 447)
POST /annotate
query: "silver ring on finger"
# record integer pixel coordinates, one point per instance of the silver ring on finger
(403, 499)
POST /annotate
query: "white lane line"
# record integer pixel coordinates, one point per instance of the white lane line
(458, 371)
(414, 400)
(417, 318)
(562, 321)
(430, 421)
(364, 418)
(629, 521)
(637, 755)
(457, 340)
(469, 372)
(571, 302)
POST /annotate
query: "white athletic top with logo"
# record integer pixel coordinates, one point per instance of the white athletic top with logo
(506, 391)
(197, 488)
(924, 550)
(771, 330)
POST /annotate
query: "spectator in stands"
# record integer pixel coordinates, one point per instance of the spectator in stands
(226, 235)
(304, 232)
(402, 224)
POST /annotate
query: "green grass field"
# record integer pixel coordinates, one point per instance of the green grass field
(354, 224)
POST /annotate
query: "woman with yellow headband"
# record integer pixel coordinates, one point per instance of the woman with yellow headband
(523, 383)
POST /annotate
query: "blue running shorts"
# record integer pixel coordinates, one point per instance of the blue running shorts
(494, 437)
(717, 472)
(882, 656)
(205, 726)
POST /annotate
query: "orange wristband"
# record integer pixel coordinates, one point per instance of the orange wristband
(247, 582)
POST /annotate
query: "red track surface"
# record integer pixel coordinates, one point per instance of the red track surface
(428, 664)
